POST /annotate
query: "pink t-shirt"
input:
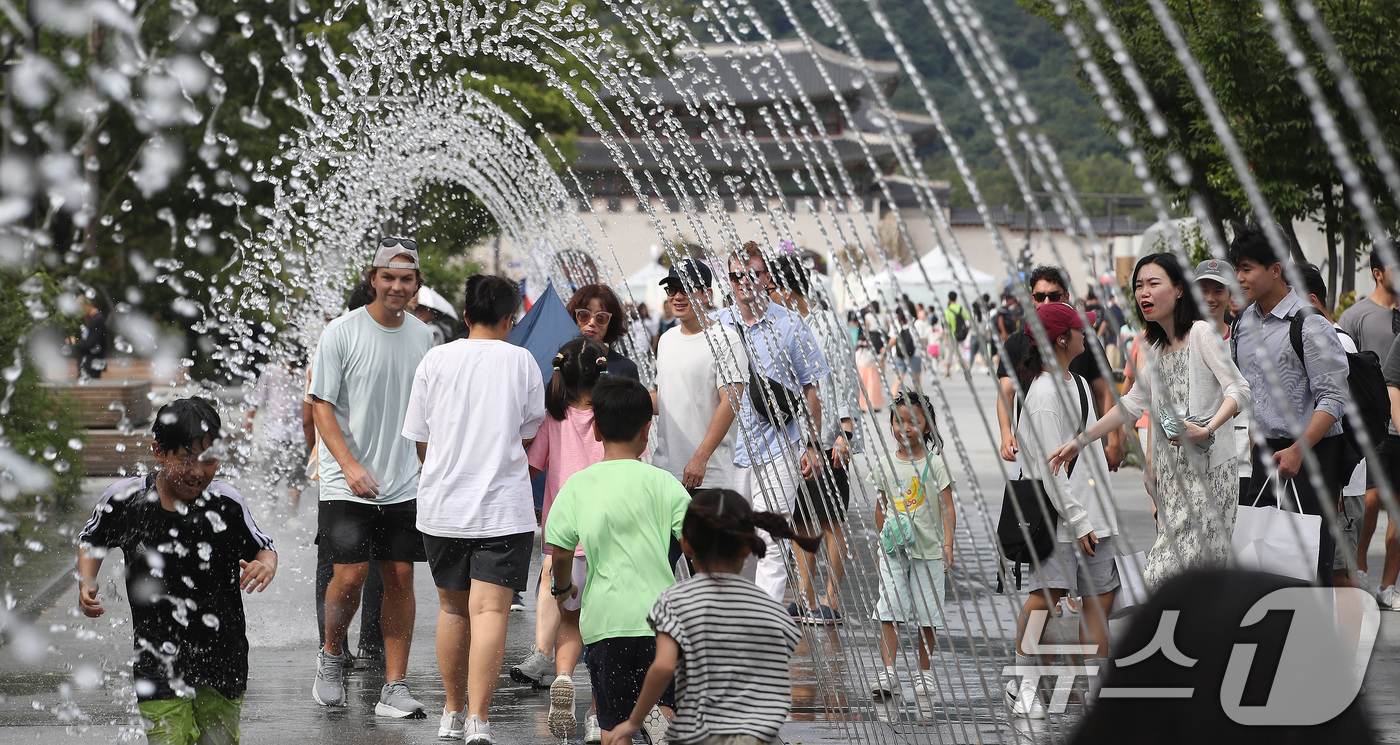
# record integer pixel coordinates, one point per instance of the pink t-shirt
(564, 448)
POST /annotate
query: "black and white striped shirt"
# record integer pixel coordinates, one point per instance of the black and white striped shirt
(736, 651)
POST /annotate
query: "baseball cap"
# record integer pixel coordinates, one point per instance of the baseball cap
(689, 272)
(1061, 317)
(1215, 270)
(392, 248)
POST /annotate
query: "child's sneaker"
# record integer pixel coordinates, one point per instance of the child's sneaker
(885, 685)
(477, 731)
(823, 615)
(533, 670)
(562, 721)
(924, 684)
(396, 701)
(591, 731)
(654, 726)
(452, 726)
(1028, 704)
(329, 688)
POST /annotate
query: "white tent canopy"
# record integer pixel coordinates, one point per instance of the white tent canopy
(943, 276)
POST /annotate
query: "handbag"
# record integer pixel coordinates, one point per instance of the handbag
(772, 401)
(899, 526)
(1132, 590)
(1026, 529)
(1275, 540)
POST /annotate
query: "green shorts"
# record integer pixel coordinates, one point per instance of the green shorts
(206, 719)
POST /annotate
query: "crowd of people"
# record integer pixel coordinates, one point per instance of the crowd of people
(738, 458)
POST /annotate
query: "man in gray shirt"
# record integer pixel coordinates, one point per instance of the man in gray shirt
(1307, 399)
(1374, 322)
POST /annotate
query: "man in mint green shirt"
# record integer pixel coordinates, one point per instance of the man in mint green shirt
(625, 513)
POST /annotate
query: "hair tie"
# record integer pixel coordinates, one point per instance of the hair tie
(558, 360)
(601, 362)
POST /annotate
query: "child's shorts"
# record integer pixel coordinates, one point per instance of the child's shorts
(206, 719)
(1062, 571)
(911, 590)
(617, 666)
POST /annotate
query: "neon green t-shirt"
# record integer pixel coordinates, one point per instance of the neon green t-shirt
(623, 513)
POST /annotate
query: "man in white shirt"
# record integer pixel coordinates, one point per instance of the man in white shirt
(369, 473)
(476, 405)
(699, 365)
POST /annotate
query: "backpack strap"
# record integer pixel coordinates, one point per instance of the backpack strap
(1235, 341)
(1295, 334)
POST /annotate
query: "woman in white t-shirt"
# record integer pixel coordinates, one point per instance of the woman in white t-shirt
(1057, 407)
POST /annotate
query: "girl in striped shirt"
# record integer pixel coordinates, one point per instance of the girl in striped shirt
(727, 643)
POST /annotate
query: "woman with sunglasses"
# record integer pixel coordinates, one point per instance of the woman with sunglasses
(599, 315)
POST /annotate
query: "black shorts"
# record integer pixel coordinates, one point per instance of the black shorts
(824, 497)
(500, 560)
(355, 532)
(617, 667)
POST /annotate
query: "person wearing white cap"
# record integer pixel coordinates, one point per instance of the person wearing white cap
(360, 387)
(1216, 281)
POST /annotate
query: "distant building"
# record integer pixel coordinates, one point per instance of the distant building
(712, 112)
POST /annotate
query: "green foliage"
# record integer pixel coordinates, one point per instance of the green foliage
(37, 421)
(1261, 99)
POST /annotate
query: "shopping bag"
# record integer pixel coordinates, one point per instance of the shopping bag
(1132, 591)
(1275, 540)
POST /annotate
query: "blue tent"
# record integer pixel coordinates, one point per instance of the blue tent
(544, 329)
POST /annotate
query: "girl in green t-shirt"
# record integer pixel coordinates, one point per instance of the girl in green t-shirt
(916, 536)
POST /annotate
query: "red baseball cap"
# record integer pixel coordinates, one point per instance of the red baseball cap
(1061, 317)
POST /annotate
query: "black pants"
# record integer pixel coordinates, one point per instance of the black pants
(371, 601)
(1328, 452)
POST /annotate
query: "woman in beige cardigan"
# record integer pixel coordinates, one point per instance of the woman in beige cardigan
(1190, 390)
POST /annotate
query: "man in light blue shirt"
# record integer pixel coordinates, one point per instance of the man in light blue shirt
(782, 349)
(1304, 399)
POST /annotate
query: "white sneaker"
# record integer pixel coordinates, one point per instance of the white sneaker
(452, 725)
(1363, 582)
(885, 685)
(477, 731)
(925, 684)
(562, 721)
(1028, 704)
(655, 726)
(1390, 599)
(591, 731)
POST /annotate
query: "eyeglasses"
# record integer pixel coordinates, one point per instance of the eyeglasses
(407, 243)
(1053, 297)
(584, 315)
(750, 275)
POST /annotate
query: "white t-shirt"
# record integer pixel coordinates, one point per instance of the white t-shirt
(1083, 499)
(473, 401)
(365, 371)
(689, 379)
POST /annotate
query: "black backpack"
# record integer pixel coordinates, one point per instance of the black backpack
(960, 328)
(906, 343)
(1365, 383)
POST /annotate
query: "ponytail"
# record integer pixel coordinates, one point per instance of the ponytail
(576, 370)
(720, 523)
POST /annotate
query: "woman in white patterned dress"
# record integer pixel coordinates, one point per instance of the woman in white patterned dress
(1190, 390)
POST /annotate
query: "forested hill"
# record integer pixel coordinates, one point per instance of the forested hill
(1037, 53)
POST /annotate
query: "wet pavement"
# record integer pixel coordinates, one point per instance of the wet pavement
(67, 679)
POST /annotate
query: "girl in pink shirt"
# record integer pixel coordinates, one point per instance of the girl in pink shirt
(564, 446)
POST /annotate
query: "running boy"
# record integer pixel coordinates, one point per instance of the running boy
(624, 514)
(190, 545)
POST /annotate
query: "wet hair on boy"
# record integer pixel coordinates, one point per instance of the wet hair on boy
(185, 424)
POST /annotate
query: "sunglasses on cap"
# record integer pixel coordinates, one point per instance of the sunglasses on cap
(1053, 297)
(407, 243)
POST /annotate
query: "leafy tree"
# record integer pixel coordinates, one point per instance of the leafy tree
(1261, 98)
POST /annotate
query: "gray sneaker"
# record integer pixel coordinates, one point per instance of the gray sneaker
(396, 701)
(536, 670)
(477, 732)
(329, 688)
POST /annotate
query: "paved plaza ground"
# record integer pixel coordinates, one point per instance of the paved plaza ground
(66, 678)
